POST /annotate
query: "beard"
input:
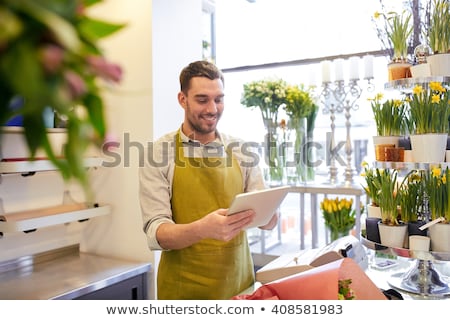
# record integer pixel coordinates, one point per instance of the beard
(204, 123)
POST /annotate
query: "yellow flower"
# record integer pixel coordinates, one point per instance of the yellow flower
(436, 86)
(436, 172)
(417, 89)
(376, 15)
(435, 98)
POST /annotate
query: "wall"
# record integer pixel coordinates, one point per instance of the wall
(156, 44)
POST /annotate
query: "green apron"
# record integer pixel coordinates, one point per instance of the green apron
(209, 269)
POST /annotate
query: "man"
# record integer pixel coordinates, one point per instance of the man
(189, 180)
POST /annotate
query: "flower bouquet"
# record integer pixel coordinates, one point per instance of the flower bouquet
(269, 95)
(339, 216)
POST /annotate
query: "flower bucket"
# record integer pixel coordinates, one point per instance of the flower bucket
(381, 143)
(393, 236)
(429, 148)
(440, 237)
(439, 64)
(399, 70)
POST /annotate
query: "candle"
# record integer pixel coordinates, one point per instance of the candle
(326, 71)
(354, 68)
(339, 69)
(368, 67)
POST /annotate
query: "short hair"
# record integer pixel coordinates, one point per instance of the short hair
(200, 68)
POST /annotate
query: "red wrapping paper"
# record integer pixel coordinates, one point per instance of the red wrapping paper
(320, 283)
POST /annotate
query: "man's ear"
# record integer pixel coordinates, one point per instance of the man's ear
(182, 99)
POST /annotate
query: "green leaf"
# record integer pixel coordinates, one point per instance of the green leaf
(94, 106)
(94, 29)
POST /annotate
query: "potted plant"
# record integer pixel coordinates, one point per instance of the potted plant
(437, 188)
(373, 209)
(429, 111)
(392, 230)
(396, 31)
(50, 57)
(411, 202)
(390, 120)
(439, 38)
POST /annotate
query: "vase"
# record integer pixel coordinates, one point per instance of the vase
(297, 157)
(439, 64)
(338, 233)
(273, 153)
(429, 147)
(440, 237)
(393, 236)
(398, 70)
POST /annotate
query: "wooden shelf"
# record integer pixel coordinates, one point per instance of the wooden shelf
(40, 165)
(28, 224)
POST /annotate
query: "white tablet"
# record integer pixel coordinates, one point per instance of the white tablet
(264, 202)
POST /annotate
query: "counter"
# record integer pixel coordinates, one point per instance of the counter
(70, 274)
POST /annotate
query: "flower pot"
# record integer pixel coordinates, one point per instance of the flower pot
(372, 232)
(440, 237)
(373, 211)
(393, 236)
(439, 64)
(429, 148)
(399, 70)
(420, 70)
(381, 143)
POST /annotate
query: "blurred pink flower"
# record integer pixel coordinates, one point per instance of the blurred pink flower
(52, 57)
(77, 86)
(101, 67)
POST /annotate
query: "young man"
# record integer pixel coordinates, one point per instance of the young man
(188, 182)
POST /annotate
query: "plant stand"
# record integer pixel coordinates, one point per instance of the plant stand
(422, 278)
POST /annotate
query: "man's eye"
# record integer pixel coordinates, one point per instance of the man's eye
(202, 101)
(219, 100)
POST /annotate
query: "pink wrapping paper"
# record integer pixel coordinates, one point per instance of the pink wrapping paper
(320, 283)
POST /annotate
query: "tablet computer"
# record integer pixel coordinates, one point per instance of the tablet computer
(264, 202)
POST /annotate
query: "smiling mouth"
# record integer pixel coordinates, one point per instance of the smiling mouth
(209, 117)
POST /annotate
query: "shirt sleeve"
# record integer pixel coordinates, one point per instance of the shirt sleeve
(155, 189)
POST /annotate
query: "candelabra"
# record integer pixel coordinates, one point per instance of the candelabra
(342, 97)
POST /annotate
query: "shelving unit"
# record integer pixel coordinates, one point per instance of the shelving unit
(53, 219)
(30, 223)
(422, 278)
(10, 167)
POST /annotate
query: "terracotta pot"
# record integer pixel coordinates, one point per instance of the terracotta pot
(399, 70)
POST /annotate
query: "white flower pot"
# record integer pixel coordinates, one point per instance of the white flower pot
(429, 148)
(393, 236)
(373, 211)
(439, 64)
(440, 237)
(421, 70)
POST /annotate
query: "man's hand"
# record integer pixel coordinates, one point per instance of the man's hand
(221, 226)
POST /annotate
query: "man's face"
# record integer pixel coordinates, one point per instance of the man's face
(203, 107)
